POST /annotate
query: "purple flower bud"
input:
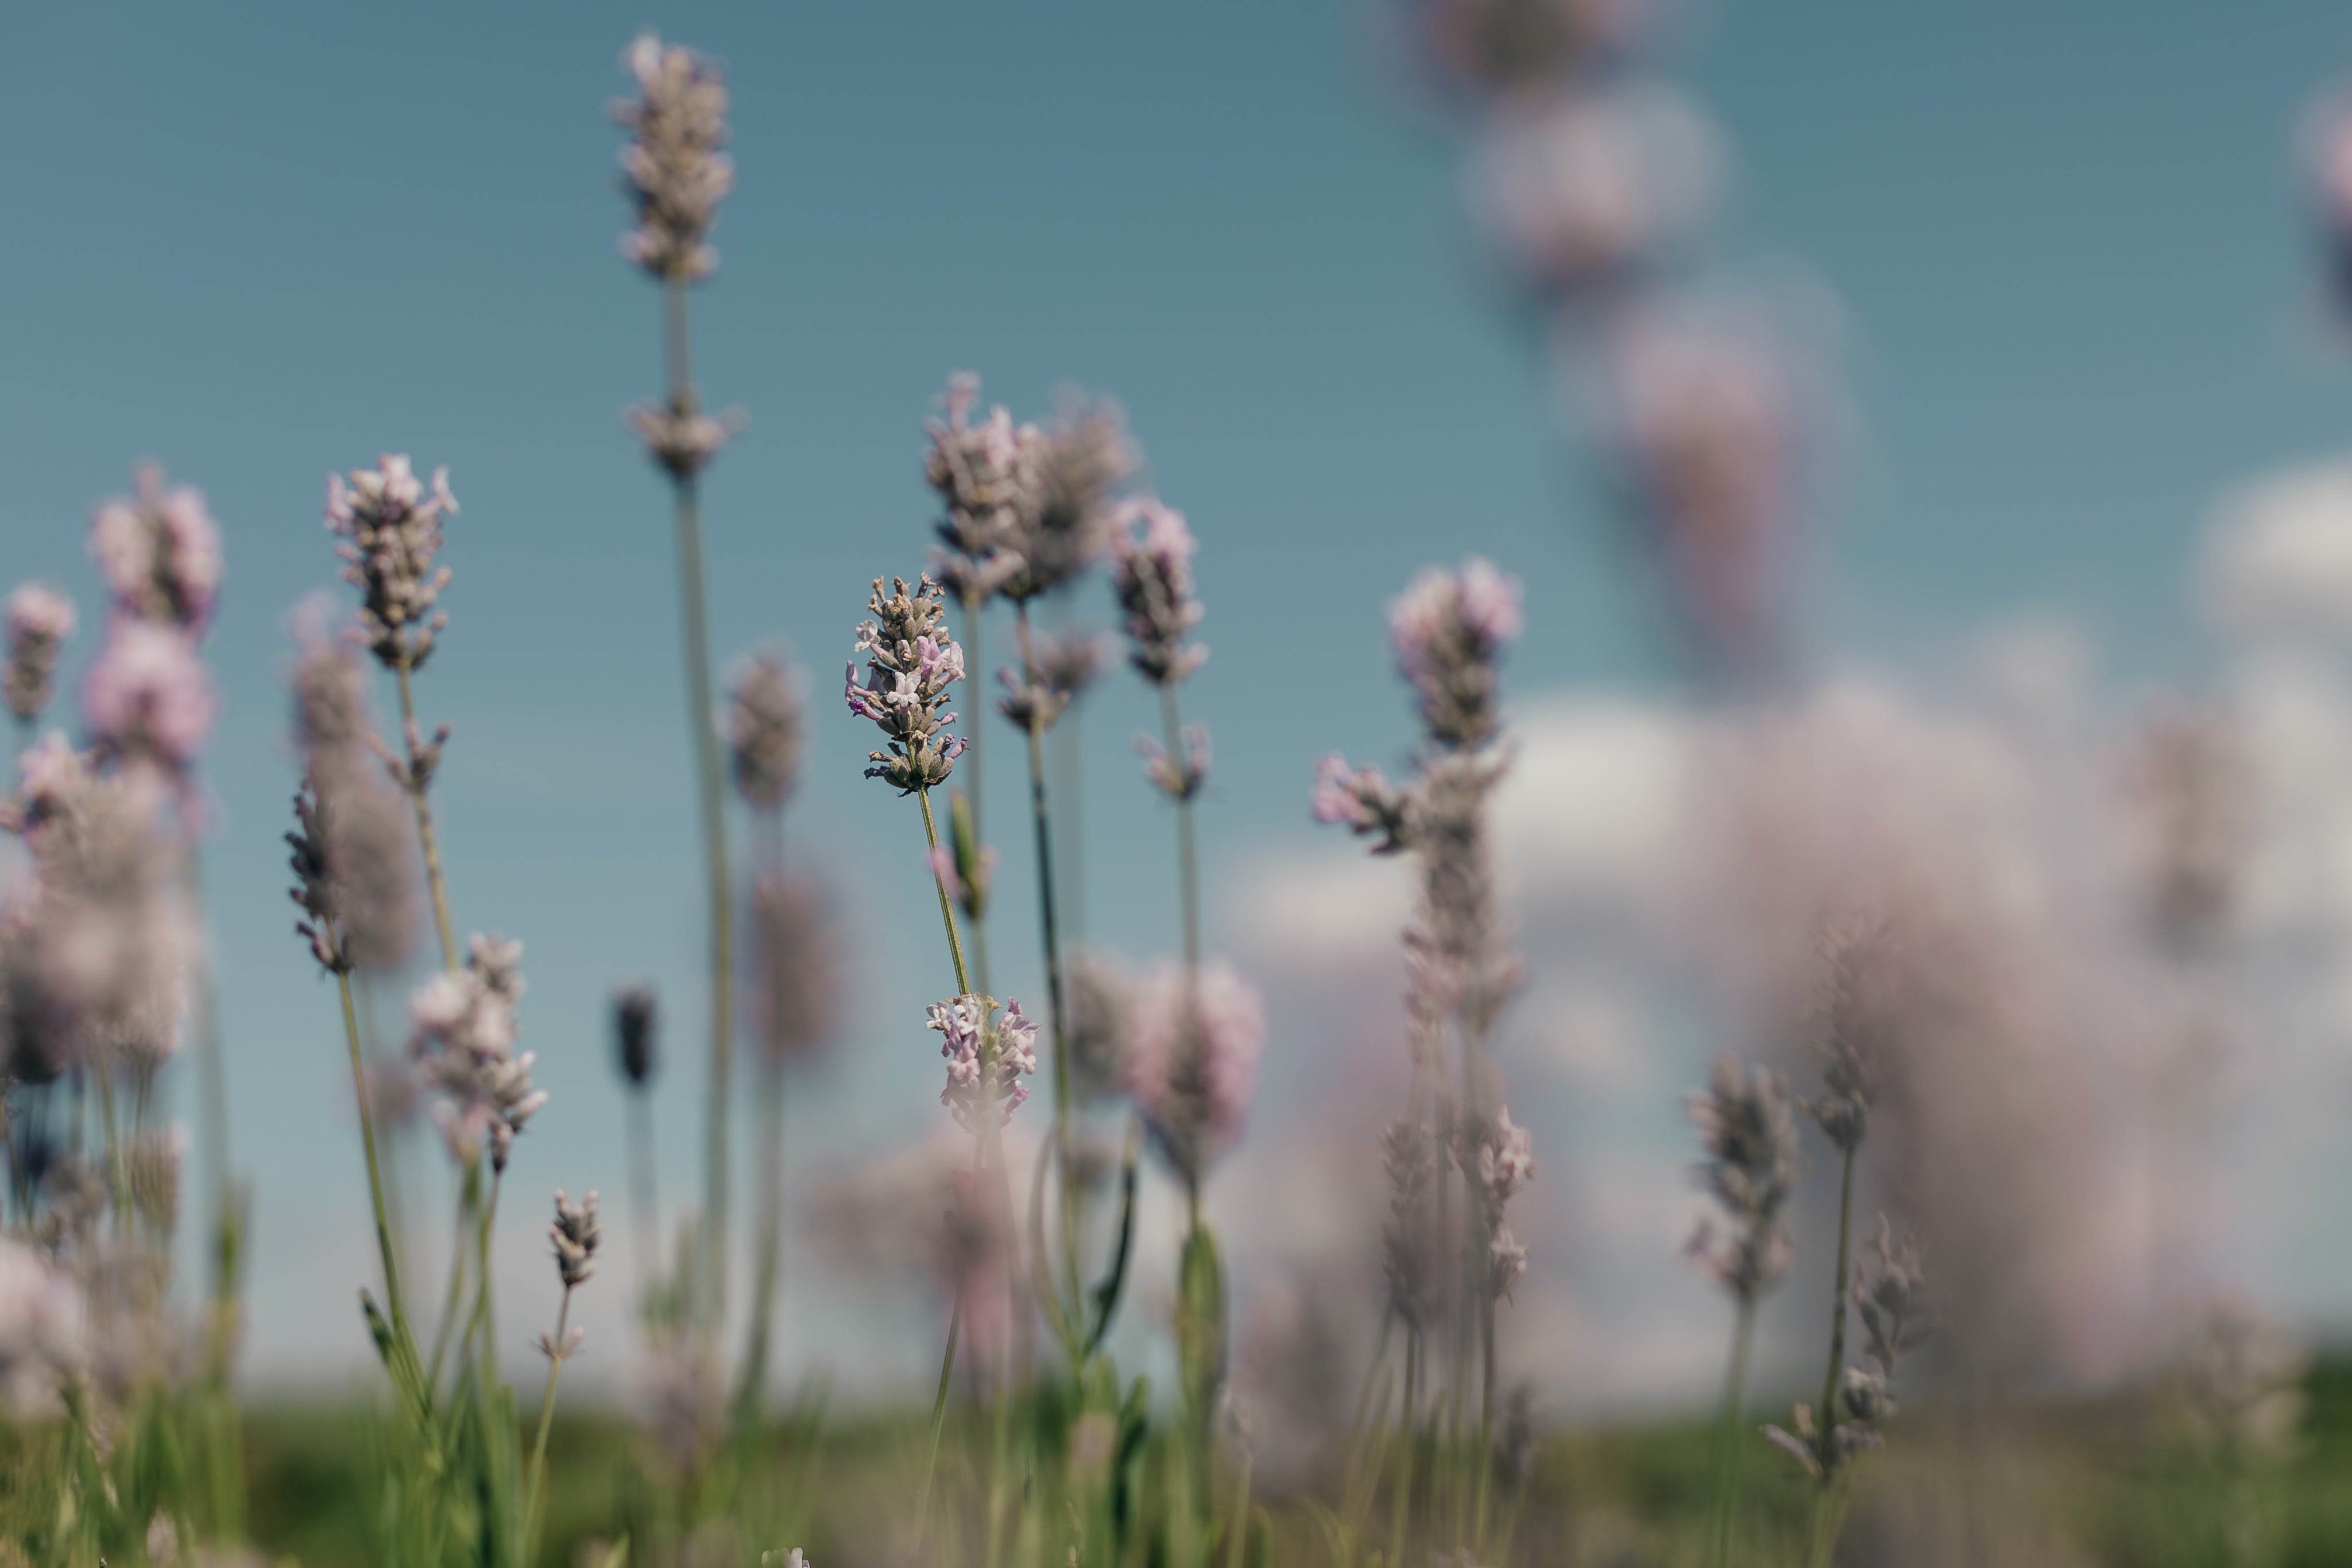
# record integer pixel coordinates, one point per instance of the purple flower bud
(985, 1060)
(910, 664)
(1152, 572)
(1449, 630)
(391, 527)
(1192, 1062)
(1179, 781)
(160, 552)
(1362, 798)
(673, 169)
(39, 619)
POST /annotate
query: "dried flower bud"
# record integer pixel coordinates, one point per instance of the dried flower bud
(763, 729)
(574, 1236)
(391, 527)
(160, 552)
(1449, 630)
(910, 663)
(354, 841)
(673, 169)
(1192, 1063)
(1152, 572)
(39, 619)
(636, 1013)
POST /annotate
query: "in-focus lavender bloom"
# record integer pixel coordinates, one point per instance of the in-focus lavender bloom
(1503, 47)
(1449, 630)
(1178, 779)
(910, 664)
(979, 1085)
(1363, 799)
(1586, 190)
(160, 552)
(390, 524)
(1152, 572)
(574, 1236)
(1064, 518)
(636, 1019)
(1064, 666)
(982, 472)
(673, 169)
(1192, 1062)
(797, 958)
(463, 1037)
(763, 729)
(147, 696)
(39, 619)
(1747, 1125)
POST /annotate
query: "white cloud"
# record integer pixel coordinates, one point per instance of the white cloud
(2278, 556)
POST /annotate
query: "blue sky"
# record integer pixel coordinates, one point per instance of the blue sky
(258, 242)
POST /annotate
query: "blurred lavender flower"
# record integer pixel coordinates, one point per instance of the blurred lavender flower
(1065, 518)
(1064, 666)
(679, 438)
(1749, 1128)
(981, 473)
(2187, 780)
(1859, 1010)
(1886, 1299)
(147, 697)
(160, 552)
(574, 1236)
(636, 1015)
(1587, 189)
(1179, 781)
(40, 1317)
(1408, 1156)
(673, 168)
(1499, 1158)
(39, 619)
(1449, 629)
(763, 729)
(1152, 572)
(1192, 1062)
(390, 524)
(798, 959)
(2328, 144)
(463, 1040)
(977, 1083)
(355, 856)
(1100, 1001)
(910, 663)
(1502, 46)
(1362, 798)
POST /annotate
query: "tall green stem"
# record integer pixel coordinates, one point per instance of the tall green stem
(1055, 988)
(939, 1418)
(1729, 1448)
(467, 1196)
(546, 1419)
(427, 839)
(704, 736)
(1187, 855)
(771, 1255)
(395, 1302)
(1825, 1516)
(947, 908)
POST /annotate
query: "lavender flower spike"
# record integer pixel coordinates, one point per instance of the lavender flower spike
(1192, 1062)
(148, 697)
(463, 1040)
(1450, 629)
(977, 1085)
(910, 663)
(39, 619)
(1065, 518)
(574, 1236)
(390, 523)
(160, 552)
(1179, 780)
(1152, 572)
(673, 169)
(981, 472)
(1749, 1128)
(764, 729)
(1363, 799)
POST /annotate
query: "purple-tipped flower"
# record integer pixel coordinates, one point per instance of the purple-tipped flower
(463, 1037)
(797, 963)
(1885, 1295)
(1100, 1000)
(1747, 1124)
(1363, 799)
(40, 619)
(1152, 572)
(390, 523)
(982, 471)
(910, 663)
(673, 169)
(147, 696)
(986, 1061)
(763, 729)
(160, 552)
(354, 841)
(1066, 517)
(1178, 779)
(1058, 669)
(1449, 629)
(1497, 1156)
(1192, 1062)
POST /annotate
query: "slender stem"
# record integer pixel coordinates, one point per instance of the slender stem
(1187, 856)
(1055, 991)
(118, 1176)
(645, 1243)
(469, 1196)
(425, 838)
(975, 776)
(1238, 1544)
(1401, 1507)
(212, 1092)
(1729, 1448)
(546, 1419)
(484, 1322)
(771, 1226)
(1826, 1418)
(947, 909)
(939, 1418)
(393, 1298)
(703, 732)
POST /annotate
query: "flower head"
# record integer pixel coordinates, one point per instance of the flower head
(797, 957)
(462, 1036)
(1747, 1125)
(1409, 1158)
(1152, 572)
(763, 729)
(39, 619)
(160, 552)
(1058, 668)
(982, 471)
(679, 437)
(1449, 629)
(354, 841)
(672, 168)
(636, 1014)
(574, 1236)
(1858, 1005)
(1192, 1062)
(1065, 518)
(910, 663)
(1363, 799)
(986, 1055)
(147, 696)
(1099, 996)
(390, 523)
(1179, 778)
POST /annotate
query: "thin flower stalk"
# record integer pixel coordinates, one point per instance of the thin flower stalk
(574, 1235)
